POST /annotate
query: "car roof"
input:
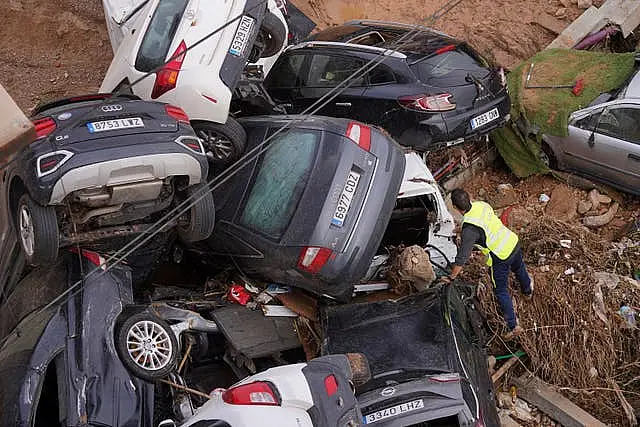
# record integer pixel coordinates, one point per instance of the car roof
(297, 121)
(633, 89)
(418, 179)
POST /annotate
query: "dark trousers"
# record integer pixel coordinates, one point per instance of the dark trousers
(500, 278)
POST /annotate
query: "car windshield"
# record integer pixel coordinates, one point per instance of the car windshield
(280, 182)
(157, 40)
(451, 63)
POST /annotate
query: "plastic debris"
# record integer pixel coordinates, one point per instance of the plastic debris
(239, 294)
(569, 271)
(274, 289)
(565, 243)
(629, 315)
(544, 198)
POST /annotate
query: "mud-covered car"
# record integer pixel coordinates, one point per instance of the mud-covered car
(427, 356)
(106, 166)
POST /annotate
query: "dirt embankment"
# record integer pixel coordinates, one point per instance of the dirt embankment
(55, 48)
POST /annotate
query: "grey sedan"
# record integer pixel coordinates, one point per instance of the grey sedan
(603, 141)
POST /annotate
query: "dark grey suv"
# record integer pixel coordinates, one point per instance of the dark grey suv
(433, 92)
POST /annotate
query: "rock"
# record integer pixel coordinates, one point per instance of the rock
(506, 420)
(565, 3)
(519, 218)
(593, 372)
(522, 415)
(504, 400)
(563, 204)
(505, 196)
(600, 220)
(412, 266)
(491, 363)
(595, 199)
(561, 12)
(604, 199)
(585, 4)
(584, 206)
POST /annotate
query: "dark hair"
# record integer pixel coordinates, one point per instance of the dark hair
(460, 199)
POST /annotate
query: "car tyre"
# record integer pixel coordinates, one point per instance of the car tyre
(38, 232)
(147, 346)
(224, 143)
(547, 157)
(273, 34)
(198, 222)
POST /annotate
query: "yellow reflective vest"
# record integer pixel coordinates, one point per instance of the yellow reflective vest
(500, 240)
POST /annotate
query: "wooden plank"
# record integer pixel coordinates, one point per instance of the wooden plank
(555, 405)
(503, 369)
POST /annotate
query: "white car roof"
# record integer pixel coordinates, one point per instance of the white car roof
(633, 89)
(417, 179)
(119, 9)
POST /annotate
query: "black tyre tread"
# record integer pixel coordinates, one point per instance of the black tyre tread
(553, 162)
(202, 215)
(47, 234)
(277, 34)
(121, 347)
(232, 130)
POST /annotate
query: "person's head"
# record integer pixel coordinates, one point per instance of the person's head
(460, 200)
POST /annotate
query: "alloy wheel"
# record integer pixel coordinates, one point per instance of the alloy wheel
(149, 345)
(220, 146)
(27, 234)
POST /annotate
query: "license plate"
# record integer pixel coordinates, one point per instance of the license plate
(345, 199)
(241, 38)
(402, 408)
(115, 124)
(485, 118)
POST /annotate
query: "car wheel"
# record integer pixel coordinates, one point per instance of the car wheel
(197, 223)
(273, 35)
(547, 157)
(37, 231)
(147, 346)
(224, 143)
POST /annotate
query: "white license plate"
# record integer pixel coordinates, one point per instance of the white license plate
(115, 124)
(241, 38)
(485, 118)
(345, 199)
(402, 408)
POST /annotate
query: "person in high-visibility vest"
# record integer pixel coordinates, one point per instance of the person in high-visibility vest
(482, 228)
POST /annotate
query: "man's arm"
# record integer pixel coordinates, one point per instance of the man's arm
(469, 237)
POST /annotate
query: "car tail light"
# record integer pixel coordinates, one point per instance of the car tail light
(51, 162)
(192, 143)
(258, 393)
(177, 113)
(447, 48)
(167, 77)
(440, 102)
(93, 257)
(360, 134)
(312, 258)
(44, 127)
(331, 385)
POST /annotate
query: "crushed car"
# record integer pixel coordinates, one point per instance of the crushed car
(603, 141)
(186, 54)
(435, 91)
(310, 210)
(427, 357)
(106, 166)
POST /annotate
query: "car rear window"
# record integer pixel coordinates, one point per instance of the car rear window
(280, 182)
(446, 64)
(160, 32)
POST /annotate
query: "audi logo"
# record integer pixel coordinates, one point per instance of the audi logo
(111, 108)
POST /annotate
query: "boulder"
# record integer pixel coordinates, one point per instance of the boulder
(584, 206)
(563, 204)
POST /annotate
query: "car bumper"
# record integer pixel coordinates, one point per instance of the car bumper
(116, 166)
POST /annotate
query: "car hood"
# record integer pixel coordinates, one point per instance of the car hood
(418, 179)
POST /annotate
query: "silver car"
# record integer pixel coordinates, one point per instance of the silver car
(603, 141)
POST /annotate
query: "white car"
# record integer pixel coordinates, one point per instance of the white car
(145, 34)
(316, 393)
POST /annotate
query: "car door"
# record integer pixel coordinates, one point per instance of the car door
(332, 73)
(285, 78)
(381, 96)
(576, 151)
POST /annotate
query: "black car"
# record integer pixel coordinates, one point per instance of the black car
(311, 210)
(103, 166)
(427, 357)
(431, 92)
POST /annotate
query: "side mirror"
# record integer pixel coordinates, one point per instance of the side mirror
(591, 140)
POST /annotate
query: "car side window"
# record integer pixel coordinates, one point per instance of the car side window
(286, 72)
(381, 75)
(622, 123)
(330, 71)
(588, 123)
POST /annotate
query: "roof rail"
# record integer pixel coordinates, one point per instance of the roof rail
(391, 24)
(354, 46)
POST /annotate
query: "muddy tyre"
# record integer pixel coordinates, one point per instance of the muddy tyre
(147, 346)
(547, 157)
(38, 233)
(223, 143)
(197, 223)
(273, 34)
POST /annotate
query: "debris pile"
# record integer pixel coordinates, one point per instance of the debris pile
(574, 334)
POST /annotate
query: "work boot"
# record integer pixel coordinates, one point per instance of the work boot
(529, 296)
(515, 332)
